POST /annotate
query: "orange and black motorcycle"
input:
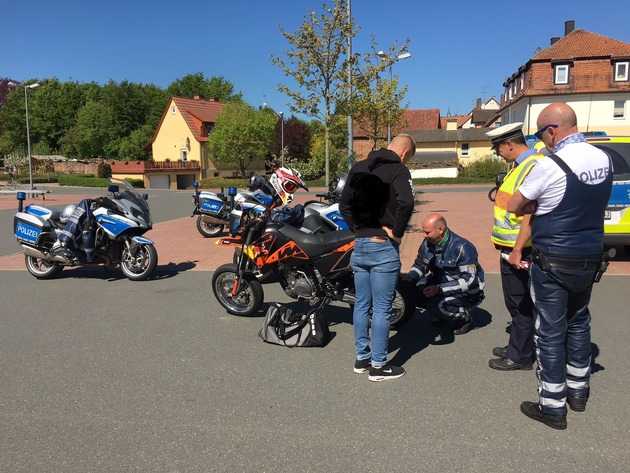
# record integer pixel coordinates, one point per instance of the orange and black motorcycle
(311, 267)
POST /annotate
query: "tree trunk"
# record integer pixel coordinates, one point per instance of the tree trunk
(327, 153)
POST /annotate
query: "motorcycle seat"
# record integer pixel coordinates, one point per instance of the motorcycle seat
(317, 244)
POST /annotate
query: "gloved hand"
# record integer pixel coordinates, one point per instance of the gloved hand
(410, 278)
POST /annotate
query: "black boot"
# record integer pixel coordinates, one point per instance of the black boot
(577, 400)
(505, 364)
(533, 411)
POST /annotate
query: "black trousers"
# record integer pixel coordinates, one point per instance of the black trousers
(519, 304)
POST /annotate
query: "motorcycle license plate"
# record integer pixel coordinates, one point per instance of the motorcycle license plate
(27, 232)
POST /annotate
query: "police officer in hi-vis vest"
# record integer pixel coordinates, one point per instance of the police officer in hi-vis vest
(567, 191)
(511, 235)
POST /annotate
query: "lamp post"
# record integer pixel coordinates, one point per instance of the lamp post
(281, 117)
(28, 134)
(391, 60)
(350, 145)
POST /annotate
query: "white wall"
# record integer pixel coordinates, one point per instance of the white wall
(594, 112)
(437, 172)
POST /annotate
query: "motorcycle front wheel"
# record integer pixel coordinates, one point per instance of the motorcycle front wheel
(139, 265)
(208, 230)
(249, 297)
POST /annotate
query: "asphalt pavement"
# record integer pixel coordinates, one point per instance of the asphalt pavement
(100, 374)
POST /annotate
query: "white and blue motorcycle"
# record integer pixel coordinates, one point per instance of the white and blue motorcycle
(120, 220)
(323, 216)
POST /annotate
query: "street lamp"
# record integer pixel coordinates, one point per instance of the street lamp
(391, 60)
(28, 134)
(281, 116)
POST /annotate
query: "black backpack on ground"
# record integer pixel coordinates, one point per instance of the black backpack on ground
(285, 327)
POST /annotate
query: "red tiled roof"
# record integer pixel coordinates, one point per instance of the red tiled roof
(461, 119)
(420, 119)
(582, 43)
(196, 112)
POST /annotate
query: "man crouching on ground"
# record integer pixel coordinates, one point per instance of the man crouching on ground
(449, 273)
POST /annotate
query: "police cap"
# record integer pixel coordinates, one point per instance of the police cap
(505, 133)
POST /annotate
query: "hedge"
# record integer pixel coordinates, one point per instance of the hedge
(137, 183)
(82, 181)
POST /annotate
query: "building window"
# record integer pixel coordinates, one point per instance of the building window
(620, 110)
(465, 149)
(173, 110)
(621, 71)
(183, 155)
(561, 74)
(523, 81)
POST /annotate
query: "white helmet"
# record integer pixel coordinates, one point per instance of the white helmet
(67, 212)
(286, 181)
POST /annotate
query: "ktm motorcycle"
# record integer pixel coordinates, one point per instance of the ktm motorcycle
(311, 267)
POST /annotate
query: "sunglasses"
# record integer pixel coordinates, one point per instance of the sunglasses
(539, 134)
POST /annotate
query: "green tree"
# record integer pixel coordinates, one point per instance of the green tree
(134, 147)
(297, 138)
(214, 87)
(53, 110)
(241, 135)
(316, 62)
(92, 133)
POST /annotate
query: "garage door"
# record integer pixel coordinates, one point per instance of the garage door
(159, 181)
(185, 181)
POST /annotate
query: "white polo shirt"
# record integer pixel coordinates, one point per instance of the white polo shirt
(546, 183)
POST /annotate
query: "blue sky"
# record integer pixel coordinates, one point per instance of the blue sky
(461, 49)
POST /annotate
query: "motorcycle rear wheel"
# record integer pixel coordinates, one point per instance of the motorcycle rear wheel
(208, 230)
(40, 268)
(249, 298)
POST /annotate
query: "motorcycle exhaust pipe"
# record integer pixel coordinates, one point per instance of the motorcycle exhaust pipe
(35, 253)
(349, 299)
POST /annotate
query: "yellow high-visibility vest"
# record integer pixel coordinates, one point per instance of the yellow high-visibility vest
(506, 224)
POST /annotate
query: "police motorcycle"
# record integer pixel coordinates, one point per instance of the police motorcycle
(321, 216)
(212, 210)
(120, 220)
(216, 211)
(313, 267)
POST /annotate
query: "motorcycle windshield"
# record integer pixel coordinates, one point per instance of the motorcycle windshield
(132, 203)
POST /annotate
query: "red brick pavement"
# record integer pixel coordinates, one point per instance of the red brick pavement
(468, 213)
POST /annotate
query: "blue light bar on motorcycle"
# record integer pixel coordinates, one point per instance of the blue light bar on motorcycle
(20, 196)
(231, 191)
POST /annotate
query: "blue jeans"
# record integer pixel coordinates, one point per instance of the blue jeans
(376, 266)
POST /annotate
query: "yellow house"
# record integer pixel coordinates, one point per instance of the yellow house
(440, 152)
(179, 146)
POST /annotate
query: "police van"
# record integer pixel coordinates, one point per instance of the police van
(617, 215)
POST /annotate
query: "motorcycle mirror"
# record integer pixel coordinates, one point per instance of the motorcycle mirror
(196, 184)
(113, 188)
(500, 178)
(145, 196)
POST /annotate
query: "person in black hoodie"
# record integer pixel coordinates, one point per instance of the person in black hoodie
(377, 202)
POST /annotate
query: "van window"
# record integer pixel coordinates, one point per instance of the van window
(619, 154)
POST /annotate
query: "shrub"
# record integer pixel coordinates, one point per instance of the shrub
(82, 181)
(485, 168)
(103, 170)
(38, 179)
(138, 183)
(217, 182)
